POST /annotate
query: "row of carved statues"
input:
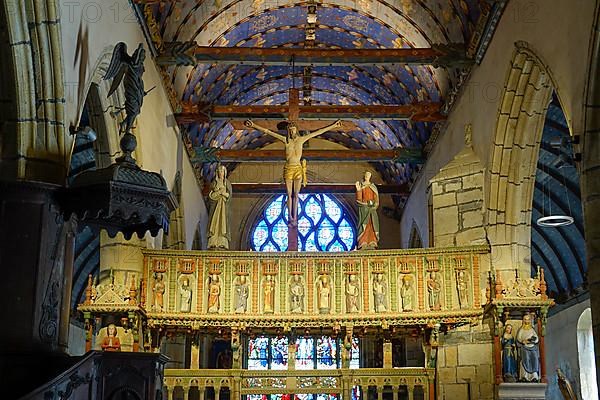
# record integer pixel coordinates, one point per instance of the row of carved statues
(296, 296)
(219, 200)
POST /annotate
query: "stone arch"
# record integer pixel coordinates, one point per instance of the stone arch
(36, 144)
(511, 177)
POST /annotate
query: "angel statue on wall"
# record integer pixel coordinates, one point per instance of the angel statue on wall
(128, 69)
(294, 171)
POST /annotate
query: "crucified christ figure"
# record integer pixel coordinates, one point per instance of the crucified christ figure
(294, 171)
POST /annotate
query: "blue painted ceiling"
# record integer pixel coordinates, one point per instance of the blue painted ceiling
(355, 24)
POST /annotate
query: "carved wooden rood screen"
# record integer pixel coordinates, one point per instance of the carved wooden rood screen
(239, 296)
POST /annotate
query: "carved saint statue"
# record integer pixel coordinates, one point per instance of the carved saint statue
(367, 198)
(294, 171)
(509, 355)
(324, 294)
(128, 69)
(461, 288)
(352, 293)
(529, 353)
(407, 293)
(379, 293)
(269, 293)
(434, 287)
(242, 291)
(111, 342)
(159, 291)
(296, 295)
(214, 294)
(185, 296)
(219, 198)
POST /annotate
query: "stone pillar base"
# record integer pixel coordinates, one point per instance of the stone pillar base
(522, 391)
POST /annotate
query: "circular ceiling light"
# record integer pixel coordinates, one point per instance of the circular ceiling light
(553, 221)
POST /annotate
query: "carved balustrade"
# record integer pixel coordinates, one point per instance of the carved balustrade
(195, 289)
(241, 382)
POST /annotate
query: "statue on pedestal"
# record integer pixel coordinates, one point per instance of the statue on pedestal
(294, 171)
(529, 352)
(379, 293)
(324, 294)
(296, 295)
(269, 293)
(214, 294)
(185, 293)
(219, 198)
(509, 355)
(242, 291)
(406, 293)
(352, 293)
(159, 290)
(367, 198)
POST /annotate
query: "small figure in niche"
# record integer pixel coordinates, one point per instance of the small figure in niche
(352, 293)
(111, 342)
(159, 291)
(379, 292)
(214, 293)
(185, 293)
(406, 293)
(269, 292)
(241, 294)
(296, 295)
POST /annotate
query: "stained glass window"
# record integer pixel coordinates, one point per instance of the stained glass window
(258, 353)
(304, 353)
(326, 353)
(323, 225)
(354, 354)
(279, 353)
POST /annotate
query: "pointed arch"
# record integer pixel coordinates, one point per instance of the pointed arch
(526, 96)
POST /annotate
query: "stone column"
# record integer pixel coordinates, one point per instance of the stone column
(195, 354)
(121, 258)
(411, 392)
(379, 392)
(395, 390)
(590, 184)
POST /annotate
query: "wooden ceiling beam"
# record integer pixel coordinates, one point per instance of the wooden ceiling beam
(423, 111)
(329, 188)
(189, 53)
(400, 155)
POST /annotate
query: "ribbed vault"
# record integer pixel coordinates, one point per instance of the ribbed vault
(561, 251)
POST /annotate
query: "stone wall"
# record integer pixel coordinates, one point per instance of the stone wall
(458, 207)
(465, 363)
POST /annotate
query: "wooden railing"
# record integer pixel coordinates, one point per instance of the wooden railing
(238, 382)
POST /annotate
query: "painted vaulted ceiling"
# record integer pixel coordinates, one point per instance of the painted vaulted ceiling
(340, 24)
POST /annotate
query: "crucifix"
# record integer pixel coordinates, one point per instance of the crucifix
(294, 171)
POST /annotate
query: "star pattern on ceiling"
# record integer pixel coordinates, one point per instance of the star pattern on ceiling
(342, 24)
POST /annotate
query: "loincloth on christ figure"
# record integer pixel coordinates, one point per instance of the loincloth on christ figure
(294, 172)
